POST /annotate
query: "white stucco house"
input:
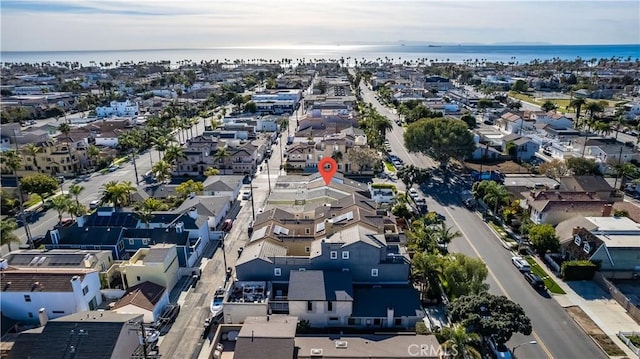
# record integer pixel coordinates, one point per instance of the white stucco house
(125, 109)
(59, 291)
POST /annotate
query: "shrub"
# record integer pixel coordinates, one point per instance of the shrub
(578, 270)
(421, 329)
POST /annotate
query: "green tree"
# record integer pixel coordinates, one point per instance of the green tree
(410, 175)
(520, 86)
(145, 216)
(445, 235)
(514, 105)
(440, 138)
(469, 120)
(117, 193)
(211, 171)
(581, 166)
(548, 106)
(511, 149)
(491, 316)
(577, 105)
(459, 343)
(554, 169)
(161, 170)
(464, 275)
(61, 204)
(40, 184)
(32, 150)
(190, 186)
(173, 155)
(221, 156)
(75, 190)
(250, 107)
(496, 195)
(625, 171)
(7, 226)
(425, 270)
(363, 158)
(421, 238)
(93, 153)
(543, 238)
(593, 108)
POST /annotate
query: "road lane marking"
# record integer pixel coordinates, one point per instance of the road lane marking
(495, 278)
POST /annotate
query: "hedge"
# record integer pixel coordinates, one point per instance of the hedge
(578, 270)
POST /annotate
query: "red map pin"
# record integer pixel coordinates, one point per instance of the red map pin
(327, 168)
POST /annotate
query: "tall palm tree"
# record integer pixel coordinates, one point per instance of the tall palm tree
(460, 342)
(425, 269)
(496, 194)
(93, 152)
(76, 189)
(173, 154)
(127, 188)
(32, 150)
(13, 160)
(77, 209)
(577, 104)
(7, 226)
(113, 192)
(161, 144)
(65, 129)
(593, 108)
(445, 234)
(162, 170)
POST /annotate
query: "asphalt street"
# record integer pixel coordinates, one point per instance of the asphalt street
(556, 333)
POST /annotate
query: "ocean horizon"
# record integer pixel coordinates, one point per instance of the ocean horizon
(438, 53)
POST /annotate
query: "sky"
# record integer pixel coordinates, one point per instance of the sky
(76, 25)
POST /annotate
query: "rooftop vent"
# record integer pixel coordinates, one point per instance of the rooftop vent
(316, 353)
(341, 344)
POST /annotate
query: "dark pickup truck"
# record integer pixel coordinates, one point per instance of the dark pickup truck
(169, 313)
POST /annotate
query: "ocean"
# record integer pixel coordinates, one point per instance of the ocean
(399, 53)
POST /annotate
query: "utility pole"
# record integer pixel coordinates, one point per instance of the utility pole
(253, 209)
(268, 177)
(615, 185)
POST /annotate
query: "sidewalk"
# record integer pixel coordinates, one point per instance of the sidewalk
(598, 305)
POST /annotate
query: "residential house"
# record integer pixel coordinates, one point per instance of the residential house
(553, 207)
(515, 123)
(81, 335)
(368, 346)
(157, 264)
(632, 110)
(115, 108)
(386, 307)
(54, 158)
(525, 147)
(146, 298)
(437, 83)
(553, 119)
(323, 298)
(208, 212)
(361, 251)
(592, 184)
(305, 155)
(266, 337)
(611, 241)
(59, 291)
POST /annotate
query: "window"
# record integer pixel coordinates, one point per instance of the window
(397, 322)
(58, 312)
(277, 272)
(145, 242)
(307, 231)
(309, 306)
(354, 321)
(307, 249)
(302, 269)
(132, 241)
(27, 298)
(334, 319)
(138, 278)
(85, 290)
(334, 255)
(374, 272)
(377, 321)
(345, 254)
(330, 306)
(30, 315)
(121, 245)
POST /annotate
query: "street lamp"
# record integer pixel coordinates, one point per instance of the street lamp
(513, 351)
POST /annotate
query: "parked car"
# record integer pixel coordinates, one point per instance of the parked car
(94, 204)
(60, 179)
(227, 225)
(500, 351)
(521, 264)
(535, 281)
(246, 195)
(414, 193)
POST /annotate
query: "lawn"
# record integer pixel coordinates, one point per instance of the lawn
(33, 200)
(548, 281)
(500, 231)
(389, 166)
(562, 103)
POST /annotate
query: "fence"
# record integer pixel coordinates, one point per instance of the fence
(624, 336)
(627, 304)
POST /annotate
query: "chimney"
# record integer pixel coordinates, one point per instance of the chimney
(193, 212)
(390, 315)
(179, 227)
(43, 317)
(606, 210)
(328, 227)
(575, 231)
(80, 221)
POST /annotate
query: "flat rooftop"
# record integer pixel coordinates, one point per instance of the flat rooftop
(616, 224)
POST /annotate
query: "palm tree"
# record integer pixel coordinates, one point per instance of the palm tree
(13, 160)
(113, 192)
(460, 342)
(127, 188)
(425, 269)
(623, 171)
(496, 195)
(221, 155)
(577, 104)
(145, 216)
(93, 152)
(445, 234)
(76, 189)
(32, 150)
(7, 226)
(61, 204)
(65, 129)
(548, 106)
(173, 154)
(77, 209)
(161, 144)
(162, 170)
(593, 108)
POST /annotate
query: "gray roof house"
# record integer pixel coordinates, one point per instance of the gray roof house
(324, 298)
(84, 335)
(269, 337)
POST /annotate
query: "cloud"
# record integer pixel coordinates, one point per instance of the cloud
(134, 24)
